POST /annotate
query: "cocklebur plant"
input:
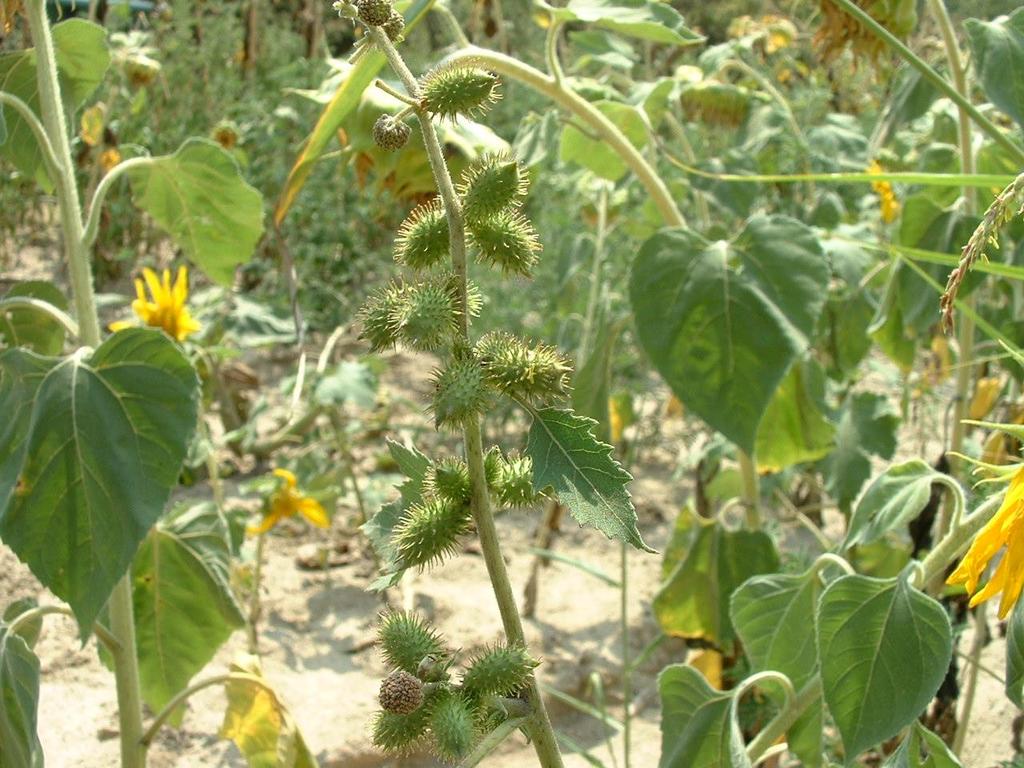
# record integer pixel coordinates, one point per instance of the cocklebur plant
(446, 499)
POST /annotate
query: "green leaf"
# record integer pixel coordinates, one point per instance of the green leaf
(198, 196)
(867, 428)
(23, 327)
(90, 457)
(184, 607)
(592, 383)
(698, 724)
(348, 382)
(82, 59)
(593, 153)
(998, 50)
(895, 498)
(722, 322)
(29, 630)
(920, 740)
(1015, 655)
(643, 19)
(582, 472)
(260, 725)
(19, 703)
(884, 649)
(793, 429)
(704, 563)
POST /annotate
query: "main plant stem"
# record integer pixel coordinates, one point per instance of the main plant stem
(122, 622)
(539, 725)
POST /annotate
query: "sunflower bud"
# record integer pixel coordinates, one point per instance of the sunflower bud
(422, 240)
(491, 185)
(461, 392)
(374, 13)
(452, 722)
(507, 241)
(405, 640)
(390, 134)
(524, 372)
(499, 671)
(429, 532)
(717, 104)
(455, 91)
(401, 693)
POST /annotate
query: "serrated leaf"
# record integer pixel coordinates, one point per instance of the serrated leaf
(998, 49)
(704, 563)
(920, 740)
(198, 196)
(410, 460)
(1015, 656)
(884, 649)
(895, 498)
(19, 703)
(722, 322)
(82, 60)
(698, 724)
(89, 458)
(22, 327)
(867, 428)
(260, 725)
(581, 471)
(184, 607)
(643, 19)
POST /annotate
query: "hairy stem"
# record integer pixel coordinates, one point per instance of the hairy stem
(101, 632)
(777, 728)
(971, 681)
(43, 308)
(538, 725)
(751, 489)
(585, 111)
(957, 540)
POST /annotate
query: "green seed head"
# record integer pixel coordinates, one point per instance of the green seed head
(461, 392)
(506, 241)
(499, 671)
(449, 479)
(422, 240)
(536, 373)
(454, 91)
(491, 185)
(515, 482)
(452, 721)
(400, 734)
(430, 315)
(382, 317)
(374, 13)
(405, 640)
(390, 134)
(717, 104)
(429, 532)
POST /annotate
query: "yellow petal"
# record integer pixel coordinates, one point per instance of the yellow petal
(140, 290)
(313, 511)
(120, 325)
(181, 287)
(288, 477)
(153, 282)
(268, 522)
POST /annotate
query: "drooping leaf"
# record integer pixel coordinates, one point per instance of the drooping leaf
(184, 607)
(922, 749)
(89, 458)
(582, 472)
(704, 563)
(1015, 656)
(643, 19)
(884, 649)
(28, 630)
(592, 383)
(895, 498)
(82, 59)
(595, 154)
(698, 723)
(19, 703)
(867, 427)
(259, 723)
(998, 49)
(722, 322)
(23, 327)
(793, 429)
(198, 196)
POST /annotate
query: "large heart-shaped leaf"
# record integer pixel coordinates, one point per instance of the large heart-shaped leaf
(82, 60)
(643, 19)
(184, 606)
(19, 703)
(895, 498)
(24, 327)
(698, 723)
(583, 474)
(198, 196)
(998, 48)
(884, 649)
(722, 322)
(88, 456)
(867, 428)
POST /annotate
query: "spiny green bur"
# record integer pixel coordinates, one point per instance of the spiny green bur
(455, 91)
(499, 671)
(453, 724)
(423, 240)
(492, 185)
(506, 241)
(429, 532)
(406, 640)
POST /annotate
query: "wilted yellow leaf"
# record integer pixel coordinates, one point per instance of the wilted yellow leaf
(709, 664)
(92, 125)
(986, 394)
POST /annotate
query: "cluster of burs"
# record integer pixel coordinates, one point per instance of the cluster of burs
(430, 310)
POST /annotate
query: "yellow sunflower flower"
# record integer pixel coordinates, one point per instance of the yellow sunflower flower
(167, 310)
(1005, 530)
(288, 501)
(886, 197)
